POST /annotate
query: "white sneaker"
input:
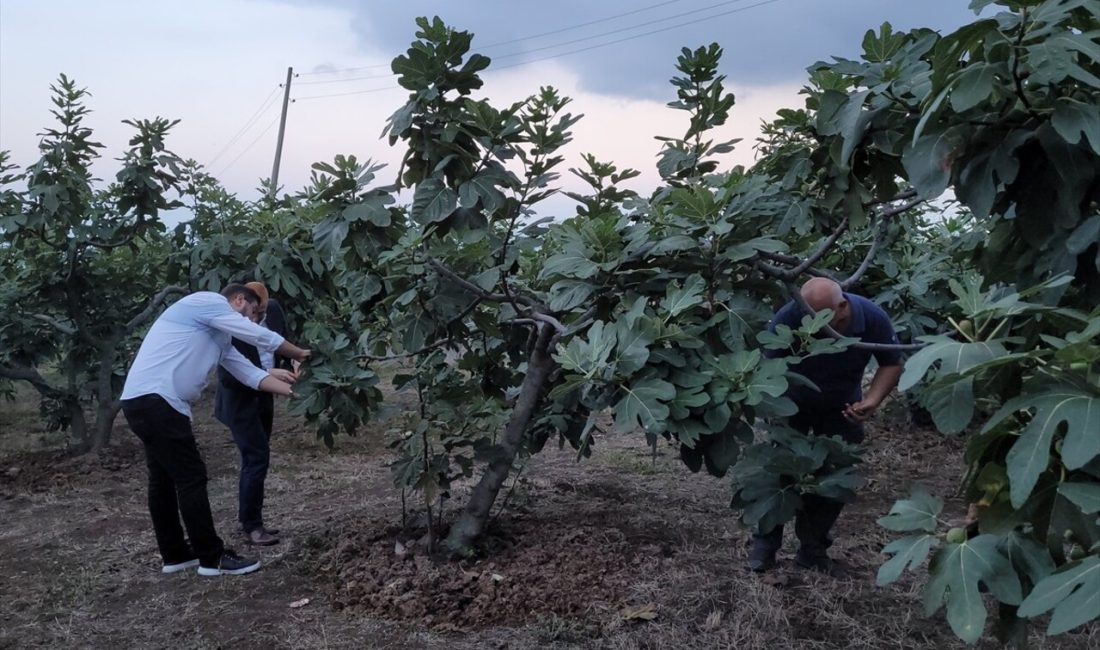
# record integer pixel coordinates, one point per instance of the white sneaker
(179, 566)
(230, 564)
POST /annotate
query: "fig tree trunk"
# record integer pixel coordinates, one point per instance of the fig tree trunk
(471, 523)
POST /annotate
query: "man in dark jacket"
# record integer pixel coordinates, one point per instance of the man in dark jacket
(837, 409)
(250, 414)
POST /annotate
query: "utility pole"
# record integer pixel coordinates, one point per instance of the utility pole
(282, 130)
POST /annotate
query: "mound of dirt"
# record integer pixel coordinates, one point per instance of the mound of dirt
(51, 470)
(535, 569)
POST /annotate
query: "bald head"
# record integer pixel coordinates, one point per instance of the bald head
(822, 293)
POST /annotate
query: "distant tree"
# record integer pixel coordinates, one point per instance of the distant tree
(83, 267)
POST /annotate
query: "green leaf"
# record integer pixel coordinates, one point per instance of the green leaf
(643, 404)
(1086, 234)
(632, 351)
(674, 244)
(908, 553)
(329, 235)
(1029, 557)
(878, 48)
(1078, 411)
(569, 264)
(745, 250)
(567, 294)
(1073, 119)
(953, 358)
(589, 354)
(1073, 593)
(853, 122)
(919, 512)
(928, 162)
(957, 570)
(679, 299)
(952, 398)
(371, 209)
(974, 85)
(433, 201)
(484, 186)
(1085, 496)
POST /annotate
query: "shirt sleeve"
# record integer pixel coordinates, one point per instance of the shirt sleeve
(244, 370)
(224, 319)
(885, 334)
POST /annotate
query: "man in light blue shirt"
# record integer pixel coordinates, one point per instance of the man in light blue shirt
(170, 370)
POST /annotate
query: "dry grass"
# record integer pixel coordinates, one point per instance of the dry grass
(80, 568)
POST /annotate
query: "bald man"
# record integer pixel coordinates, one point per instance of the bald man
(838, 409)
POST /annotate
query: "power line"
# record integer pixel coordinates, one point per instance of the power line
(249, 147)
(500, 43)
(624, 29)
(336, 81)
(247, 125)
(579, 25)
(354, 92)
(590, 47)
(630, 38)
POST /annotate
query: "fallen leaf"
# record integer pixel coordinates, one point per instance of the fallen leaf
(646, 612)
(497, 577)
(299, 603)
(399, 549)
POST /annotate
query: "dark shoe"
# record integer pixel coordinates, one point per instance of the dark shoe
(822, 564)
(176, 567)
(260, 537)
(269, 531)
(230, 564)
(761, 558)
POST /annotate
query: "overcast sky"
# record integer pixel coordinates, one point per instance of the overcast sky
(217, 65)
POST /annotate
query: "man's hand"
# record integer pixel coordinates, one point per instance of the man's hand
(884, 381)
(291, 351)
(270, 384)
(283, 375)
(860, 411)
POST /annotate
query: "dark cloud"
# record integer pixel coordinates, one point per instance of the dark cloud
(764, 43)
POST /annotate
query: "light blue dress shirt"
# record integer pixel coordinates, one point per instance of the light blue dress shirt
(186, 342)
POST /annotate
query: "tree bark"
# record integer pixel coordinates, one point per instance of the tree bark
(471, 523)
(78, 425)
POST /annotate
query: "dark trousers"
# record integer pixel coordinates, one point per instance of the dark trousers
(251, 428)
(818, 514)
(177, 481)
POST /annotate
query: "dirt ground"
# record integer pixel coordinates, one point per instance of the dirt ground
(619, 551)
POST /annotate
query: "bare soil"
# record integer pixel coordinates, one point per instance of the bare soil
(624, 550)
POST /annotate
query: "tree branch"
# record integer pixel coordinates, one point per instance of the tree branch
(393, 357)
(796, 296)
(56, 324)
(470, 287)
(821, 250)
(30, 375)
(791, 260)
(154, 304)
(547, 318)
(880, 238)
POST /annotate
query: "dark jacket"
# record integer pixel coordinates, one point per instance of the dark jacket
(233, 400)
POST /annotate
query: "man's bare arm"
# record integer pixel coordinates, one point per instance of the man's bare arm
(884, 381)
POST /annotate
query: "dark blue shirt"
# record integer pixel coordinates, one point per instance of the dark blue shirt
(839, 375)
